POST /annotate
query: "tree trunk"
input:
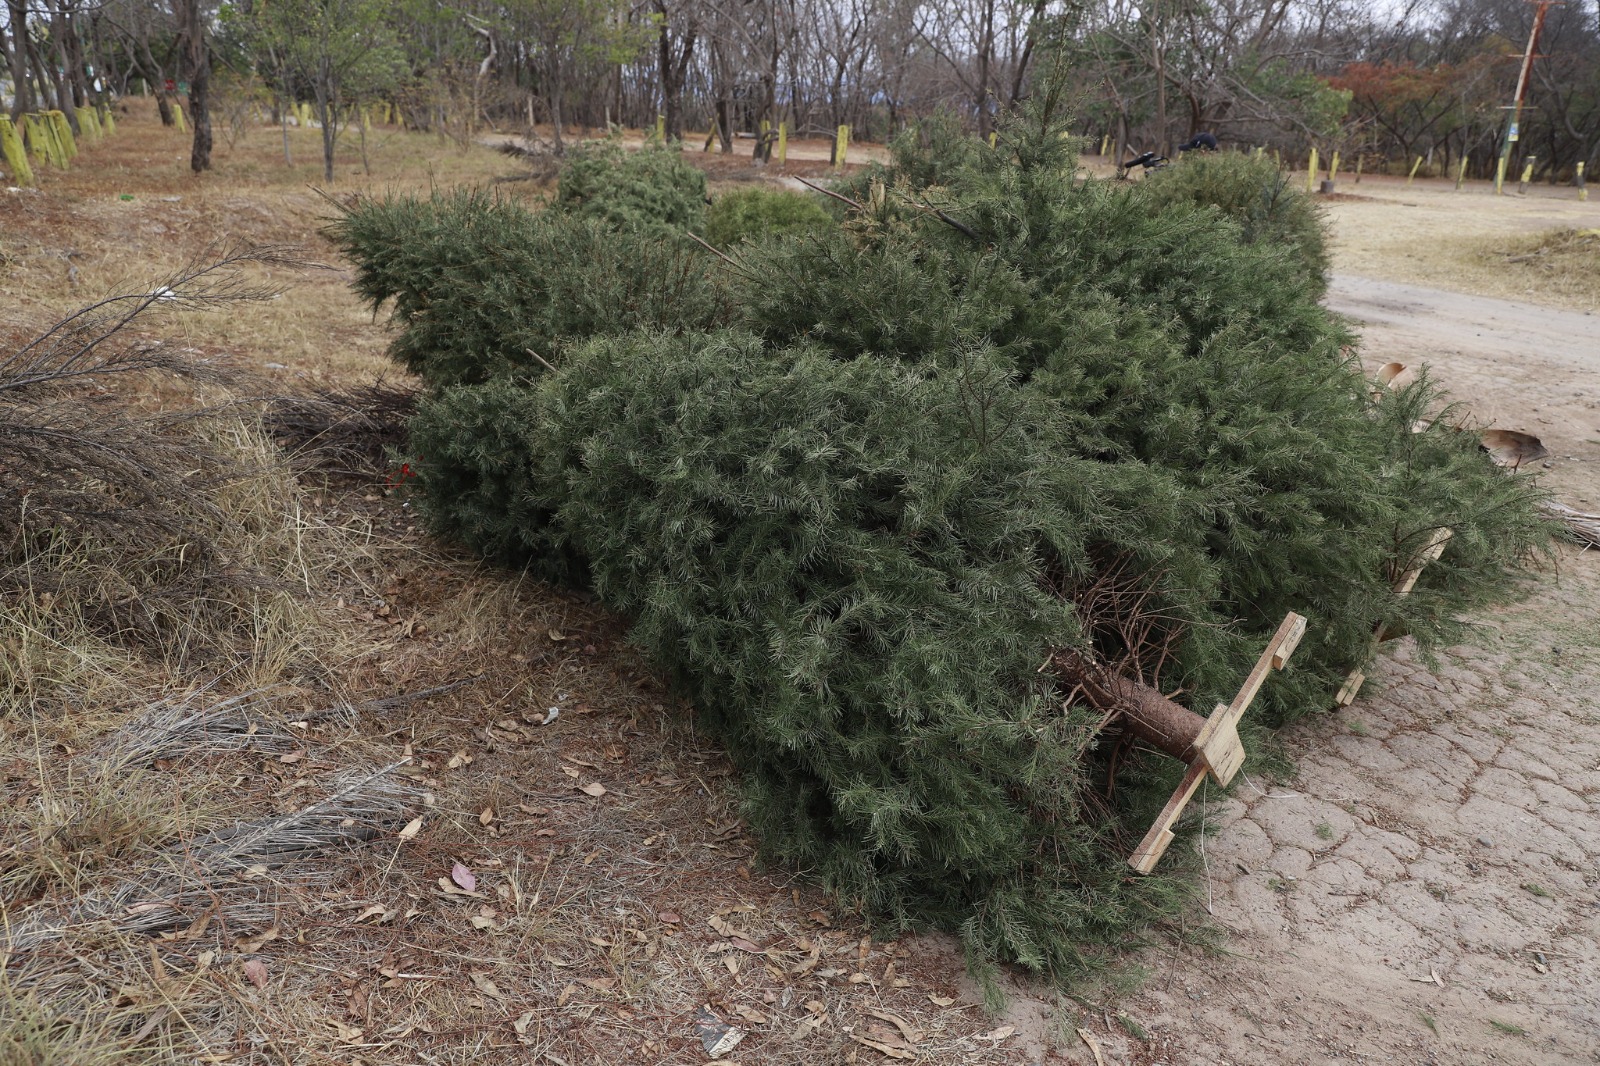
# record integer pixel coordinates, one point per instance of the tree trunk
(46, 87)
(674, 72)
(17, 55)
(985, 55)
(195, 52)
(325, 113)
(1158, 62)
(555, 108)
(61, 31)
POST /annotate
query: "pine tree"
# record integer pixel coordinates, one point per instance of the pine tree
(482, 287)
(976, 428)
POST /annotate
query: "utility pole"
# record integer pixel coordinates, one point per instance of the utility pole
(1522, 88)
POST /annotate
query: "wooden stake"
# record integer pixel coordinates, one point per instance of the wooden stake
(1217, 749)
(1402, 587)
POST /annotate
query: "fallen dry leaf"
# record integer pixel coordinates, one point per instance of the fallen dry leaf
(256, 971)
(412, 828)
(1508, 447)
(670, 917)
(1093, 1045)
(595, 789)
(884, 1042)
(940, 1001)
(486, 816)
(249, 945)
(999, 1034)
(464, 877)
(912, 1036)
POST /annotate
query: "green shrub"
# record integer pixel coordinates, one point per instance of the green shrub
(476, 451)
(854, 530)
(749, 214)
(477, 283)
(1272, 211)
(652, 190)
(926, 154)
(1169, 339)
(847, 567)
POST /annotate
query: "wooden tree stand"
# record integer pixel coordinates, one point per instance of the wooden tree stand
(1208, 745)
(1407, 581)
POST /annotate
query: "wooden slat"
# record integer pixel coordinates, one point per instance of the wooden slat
(1155, 842)
(1402, 587)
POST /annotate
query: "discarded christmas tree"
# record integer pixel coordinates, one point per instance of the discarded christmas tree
(986, 425)
(482, 287)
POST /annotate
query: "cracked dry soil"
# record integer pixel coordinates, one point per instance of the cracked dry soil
(1425, 889)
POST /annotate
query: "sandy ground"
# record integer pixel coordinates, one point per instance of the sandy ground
(1424, 889)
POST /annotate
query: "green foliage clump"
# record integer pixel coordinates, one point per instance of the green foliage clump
(928, 153)
(477, 284)
(1170, 340)
(851, 568)
(854, 528)
(652, 190)
(1272, 211)
(477, 449)
(750, 214)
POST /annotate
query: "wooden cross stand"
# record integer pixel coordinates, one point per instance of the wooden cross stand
(1208, 745)
(1402, 587)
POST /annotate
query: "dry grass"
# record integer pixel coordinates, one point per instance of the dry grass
(1430, 235)
(222, 873)
(1562, 263)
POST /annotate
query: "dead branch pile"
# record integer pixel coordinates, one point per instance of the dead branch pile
(233, 873)
(347, 431)
(108, 497)
(1580, 526)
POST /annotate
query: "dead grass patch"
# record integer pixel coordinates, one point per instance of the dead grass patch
(1562, 262)
(1465, 242)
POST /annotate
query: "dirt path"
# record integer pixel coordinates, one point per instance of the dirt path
(1516, 365)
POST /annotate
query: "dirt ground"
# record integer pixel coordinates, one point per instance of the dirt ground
(1425, 888)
